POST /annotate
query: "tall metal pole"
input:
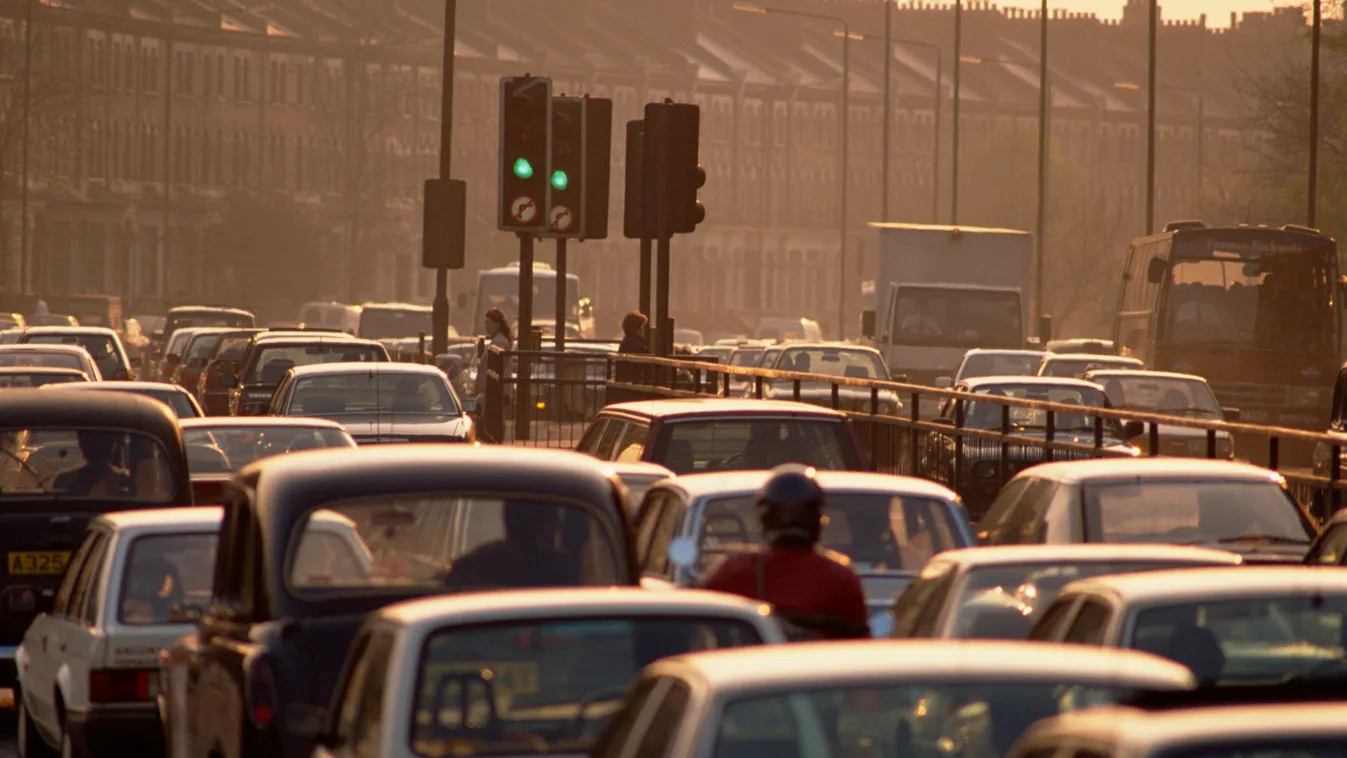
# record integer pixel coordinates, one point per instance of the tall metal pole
(935, 137)
(954, 151)
(560, 309)
(27, 117)
(439, 309)
(164, 248)
(1201, 132)
(643, 288)
(1150, 116)
(1312, 185)
(842, 174)
(888, 91)
(1040, 223)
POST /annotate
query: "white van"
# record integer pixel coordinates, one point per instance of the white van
(331, 316)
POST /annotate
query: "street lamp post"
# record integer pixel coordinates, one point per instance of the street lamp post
(1041, 222)
(1197, 95)
(954, 151)
(935, 147)
(1153, 23)
(1312, 184)
(844, 159)
(27, 117)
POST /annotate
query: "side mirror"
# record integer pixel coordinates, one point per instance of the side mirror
(1230, 414)
(683, 552)
(944, 382)
(868, 324)
(1156, 270)
(229, 381)
(1133, 429)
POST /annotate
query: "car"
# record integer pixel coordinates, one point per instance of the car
(13, 377)
(378, 403)
(1075, 365)
(56, 356)
(219, 446)
(832, 359)
(1169, 394)
(50, 489)
(103, 344)
(1303, 730)
(886, 527)
(871, 697)
(975, 467)
(472, 642)
(1222, 504)
(223, 360)
(270, 355)
(1231, 626)
(742, 356)
(85, 667)
(196, 352)
(171, 355)
(981, 362)
(381, 321)
(997, 592)
(720, 434)
(638, 478)
(434, 519)
(178, 399)
(204, 315)
(1082, 346)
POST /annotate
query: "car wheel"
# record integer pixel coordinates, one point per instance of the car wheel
(28, 741)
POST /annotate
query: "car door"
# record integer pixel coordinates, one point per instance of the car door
(40, 646)
(74, 643)
(361, 722)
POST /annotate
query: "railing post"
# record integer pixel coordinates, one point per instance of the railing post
(958, 446)
(1211, 443)
(1098, 432)
(1154, 439)
(795, 390)
(1004, 458)
(1273, 452)
(492, 409)
(836, 397)
(1334, 476)
(757, 387)
(914, 435)
(1049, 435)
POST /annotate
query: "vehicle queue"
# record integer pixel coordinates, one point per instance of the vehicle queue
(249, 554)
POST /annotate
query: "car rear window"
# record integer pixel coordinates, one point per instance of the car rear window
(178, 321)
(38, 379)
(752, 445)
(162, 571)
(273, 361)
(38, 358)
(103, 465)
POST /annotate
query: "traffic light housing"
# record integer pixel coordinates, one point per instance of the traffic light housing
(565, 168)
(598, 167)
(525, 137)
(633, 226)
(671, 175)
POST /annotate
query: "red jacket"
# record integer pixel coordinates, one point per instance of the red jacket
(798, 583)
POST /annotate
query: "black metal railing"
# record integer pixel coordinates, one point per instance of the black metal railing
(970, 456)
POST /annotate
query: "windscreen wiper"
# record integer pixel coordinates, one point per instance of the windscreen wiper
(1275, 540)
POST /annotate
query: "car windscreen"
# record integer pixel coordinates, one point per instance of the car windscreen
(178, 321)
(877, 531)
(101, 348)
(274, 360)
(371, 392)
(1171, 396)
(448, 542)
(856, 364)
(39, 379)
(224, 449)
(833, 720)
(53, 359)
(999, 364)
(1027, 588)
(545, 687)
(978, 415)
(1252, 640)
(753, 445)
(393, 323)
(164, 570)
(1193, 511)
(103, 465)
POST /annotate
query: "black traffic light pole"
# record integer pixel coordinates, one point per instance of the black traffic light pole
(523, 333)
(645, 276)
(561, 298)
(439, 314)
(663, 338)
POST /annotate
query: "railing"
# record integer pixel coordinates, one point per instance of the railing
(553, 396)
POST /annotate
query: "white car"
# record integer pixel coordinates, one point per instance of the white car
(519, 672)
(86, 668)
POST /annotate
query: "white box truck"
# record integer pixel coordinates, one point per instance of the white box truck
(943, 290)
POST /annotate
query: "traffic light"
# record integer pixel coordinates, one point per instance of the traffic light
(598, 167)
(671, 175)
(525, 134)
(565, 175)
(632, 222)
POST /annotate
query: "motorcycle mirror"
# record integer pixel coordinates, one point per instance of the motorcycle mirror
(683, 552)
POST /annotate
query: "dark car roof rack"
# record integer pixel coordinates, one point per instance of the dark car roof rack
(1307, 690)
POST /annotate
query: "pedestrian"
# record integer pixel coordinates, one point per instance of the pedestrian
(633, 343)
(499, 335)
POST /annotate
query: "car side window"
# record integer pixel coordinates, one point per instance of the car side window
(1001, 508)
(367, 729)
(1047, 628)
(589, 444)
(1087, 628)
(632, 443)
(85, 594)
(658, 740)
(72, 574)
(646, 522)
(917, 611)
(612, 742)
(1331, 549)
(1026, 525)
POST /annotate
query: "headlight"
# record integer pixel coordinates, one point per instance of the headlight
(1306, 397)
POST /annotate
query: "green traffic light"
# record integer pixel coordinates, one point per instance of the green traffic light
(522, 168)
(560, 181)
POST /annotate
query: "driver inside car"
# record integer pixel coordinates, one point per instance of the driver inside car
(527, 556)
(101, 475)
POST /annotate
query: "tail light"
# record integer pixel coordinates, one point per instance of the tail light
(261, 691)
(121, 685)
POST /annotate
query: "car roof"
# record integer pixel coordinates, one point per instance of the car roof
(1105, 373)
(999, 351)
(560, 603)
(1027, 381)
(1156, 468)
(355, 367)
(1093, 357)
(163, 517)
(1216, 583)
(735, 482)
(87, 410)
(830, 346)
(239, 422)
(120, 387)
(711, 406)
(396, 307)
(1097, 552)
(303, 337)
(51, 370)
(791, 668)
(208, 309)
(101, 331)
(1228, 724)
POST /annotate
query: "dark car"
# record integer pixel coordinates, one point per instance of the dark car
(66, 457)
(195, 354)
(714, 434)
(271, 355)
(223, 360)
(291, 589)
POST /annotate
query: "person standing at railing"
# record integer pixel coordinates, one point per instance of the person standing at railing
(499, 335)
(633, 343)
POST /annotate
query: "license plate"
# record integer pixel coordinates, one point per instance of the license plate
(38, 562)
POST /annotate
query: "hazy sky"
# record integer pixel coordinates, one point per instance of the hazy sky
(1218, 11)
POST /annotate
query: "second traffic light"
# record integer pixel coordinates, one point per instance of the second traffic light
(578, 167)
(670, 172)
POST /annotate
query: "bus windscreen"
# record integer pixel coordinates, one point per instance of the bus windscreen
(502, 291)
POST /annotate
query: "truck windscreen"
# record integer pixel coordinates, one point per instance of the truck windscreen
(965, 318)
(1283, 301)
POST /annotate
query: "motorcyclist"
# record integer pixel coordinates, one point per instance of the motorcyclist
(814, 591)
